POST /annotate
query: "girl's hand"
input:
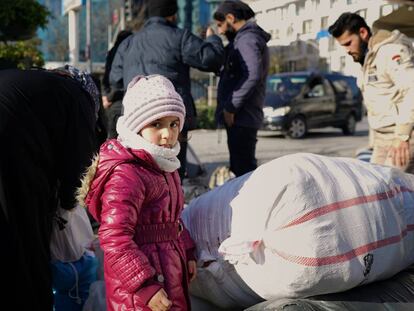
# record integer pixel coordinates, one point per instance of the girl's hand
(192, 269)
(160, 301)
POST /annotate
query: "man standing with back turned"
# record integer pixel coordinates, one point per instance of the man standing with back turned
(160, 47)
(242, 85)
(387, 84)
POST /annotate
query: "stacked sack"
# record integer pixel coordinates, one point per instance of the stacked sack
(303, 225)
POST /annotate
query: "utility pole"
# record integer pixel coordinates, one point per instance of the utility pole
(188, 15)
(73, 18)
(212, 88)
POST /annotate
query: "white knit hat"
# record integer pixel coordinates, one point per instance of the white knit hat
(147, 99)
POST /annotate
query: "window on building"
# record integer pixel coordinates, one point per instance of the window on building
(284, 13)
(292, 10)
(270, 17)
(275, 34)
(324, 22)
(278, 14)
(362, 13)
(308, 5)
(333, 3)
(307, 26)
(300, 6)
(349, 2)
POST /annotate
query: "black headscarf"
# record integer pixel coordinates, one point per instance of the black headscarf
(86, 80)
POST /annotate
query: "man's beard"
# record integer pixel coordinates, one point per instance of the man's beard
(230, 32)
(360, 57)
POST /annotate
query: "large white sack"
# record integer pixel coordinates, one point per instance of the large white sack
(304, 224)
(208, 218)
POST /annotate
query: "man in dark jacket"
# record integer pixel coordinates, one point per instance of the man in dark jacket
(160, 47)
(112, 96)
(47, 131)
(242, 85)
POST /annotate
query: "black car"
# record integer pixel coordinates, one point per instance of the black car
(298, 101)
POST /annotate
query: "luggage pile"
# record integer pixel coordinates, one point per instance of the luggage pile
(299, 226)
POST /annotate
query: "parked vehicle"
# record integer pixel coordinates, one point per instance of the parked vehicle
(298, 101)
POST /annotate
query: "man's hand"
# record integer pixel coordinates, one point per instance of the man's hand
(228, 118)
(160, 301)
(400, 153)
(192, 269)
(209, 32)
(105, 102)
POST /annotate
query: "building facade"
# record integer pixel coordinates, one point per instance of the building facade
(299, 30)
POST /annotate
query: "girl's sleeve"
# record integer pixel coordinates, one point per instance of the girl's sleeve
(121, 205)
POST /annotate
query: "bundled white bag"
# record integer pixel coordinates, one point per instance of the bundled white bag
(71, 234)
(326, 225)
(208, 218)
(305, 225)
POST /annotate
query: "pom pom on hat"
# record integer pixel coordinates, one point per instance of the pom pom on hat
(147, 99)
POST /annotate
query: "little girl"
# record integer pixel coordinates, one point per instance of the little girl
(134, 191)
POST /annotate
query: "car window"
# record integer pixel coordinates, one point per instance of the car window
(345, 86)
(340, 86)
(287, 85)
(273, 84)
(328, 88)
(352, 83)
(317, 91)
(295, 84)
(315, 88)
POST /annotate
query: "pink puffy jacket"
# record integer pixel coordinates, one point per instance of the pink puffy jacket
(145, 245)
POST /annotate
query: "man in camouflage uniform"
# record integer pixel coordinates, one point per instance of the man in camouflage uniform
(387, 84)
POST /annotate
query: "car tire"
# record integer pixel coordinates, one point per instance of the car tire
(350, 125)
(297, 128)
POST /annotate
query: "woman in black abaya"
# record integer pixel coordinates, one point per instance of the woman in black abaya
(47, 136)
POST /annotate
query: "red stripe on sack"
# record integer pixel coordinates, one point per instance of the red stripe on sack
(395, 57)
(329, 260)
(332, 207)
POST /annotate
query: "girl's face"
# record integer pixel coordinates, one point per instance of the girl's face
(162, 132)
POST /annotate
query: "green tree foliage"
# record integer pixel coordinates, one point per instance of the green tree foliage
(19, 20)
(21, 54)
(205, 116)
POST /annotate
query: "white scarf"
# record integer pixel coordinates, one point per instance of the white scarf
(166, 158)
